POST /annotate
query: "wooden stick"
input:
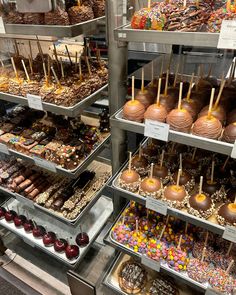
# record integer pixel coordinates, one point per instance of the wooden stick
(222, 86)
(230, 248)
(212, 171)
(26, 72)
(62, 69)
(203, 254)
(185, 3)
(49, 69)
(130, 161)
(186, 228)
(40, 48)
(167, 219)
(210, 71)
(178, 177)
(162, 232)
(180, 241)
(140, 151)
(230, 266)
(170, 61)
(76, 61)
(176, 75)
(180, 95)
(142, 87)
(31, 65)
(133, 88)
(68, 53)
(17, 48)
(80, 71)
(159, 92)
(56, 56)
(200, 185)
(88, 65)
(162, 158)
(151, 170)
(55, 76)
(14, 67)
(190, 87)
(167, 80)
(228, 5)
(180, 162)
(30, 49)
(211, 103)
(45, 73)
(206, 238)
(2, 63)
(152, 73)
(162, 66)
(194, 154)
(149, 4)
(226, 162)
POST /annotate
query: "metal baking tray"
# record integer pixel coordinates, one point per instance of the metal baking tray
(92, 223)
(59, 110)
(61, 171)
(217, 146)
(126, 34)
(51, 30)
(164, 266)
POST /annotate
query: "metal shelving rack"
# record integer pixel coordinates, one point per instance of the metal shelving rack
(120, 35)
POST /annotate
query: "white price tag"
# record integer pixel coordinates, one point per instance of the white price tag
(29, 242)
(227, 39)
(22, 200)
(156, 130)
(4, 149)
(45, 164)
(210, 291)
(153, 264)
(233, 153)
(35, 102)
(2, 26)
(157, 206)
(230, 234)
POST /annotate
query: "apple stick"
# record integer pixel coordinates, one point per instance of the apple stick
(31, 65)
(212, 171)
(181, 162)
(30, 50)
(162, 158)
(7, 207)
(76, 61)
(34, 223)
(149, 4)
(14, 67)
(210, 71)
(206, 238)
(26, 72)
(17, 48)
(158, 92)
(176, 75)
(180, 241)
(185, 3)
(68, 53)
(167, 81)
(230, 266)
(190, 87)
(88, 65)
(178, 177)
(162, 66)
(80, 71)
(180, 95)
(132, 88)
(226, 162)
(136, 225)
(17, 210)
(62, 69)
(56, 56)
(211, 103)
(203, 254)
(230, 248)
(162, 232)
(194, 154)
(142, 87)
(200, 185)
(151, 170)
(140, 151)
(167, 219)
(40, 48)
(49, 70)
(123, 220)
(2, 63)
(45, 74)
(228, 5)
(186, 228)
(222, 86)
(130, 161)
(170, 60)
(56, 78)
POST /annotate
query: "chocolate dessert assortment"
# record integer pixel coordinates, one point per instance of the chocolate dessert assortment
(61, 196)
(66, 143)
(201, 183)
(184, 16)
(74, 12)
(206, 109)
(202, 256)
(63, 84)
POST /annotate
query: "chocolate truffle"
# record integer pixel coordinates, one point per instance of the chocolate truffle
(227, 214)
(156, 112)
(207, 127)
(180, 120)
(144, 97)
(134, 111)
(201, 205)
(229, 134)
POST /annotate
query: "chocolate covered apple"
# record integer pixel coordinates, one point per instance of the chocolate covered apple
(160, 171)
(140, 163)
(229, 134)
(227, 214)
(144, 96)
(166, 100)
(191, 165)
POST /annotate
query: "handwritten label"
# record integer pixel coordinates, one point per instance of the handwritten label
(233, 153)
(210, 291)
(4, 149)
(29, 242)
(156, 205)
(230, 234)
(35, 102)
(153, 264)
(2, 26)
(45, 164)
(24, 201)
(156, 130)
(227, 39)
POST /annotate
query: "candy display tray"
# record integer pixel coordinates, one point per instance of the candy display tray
(216, 146)
(92, 223)
(127, 34)
(59, 110)
(163, 266)
(111, 279)
(64, 172)
(53, 30)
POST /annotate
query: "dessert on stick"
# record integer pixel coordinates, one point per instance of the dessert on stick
(144, 96)
(138, 240)
(15, 84)
(160, 171)
(156, 249)
(226, 214)
(140, 163)
(167, 101)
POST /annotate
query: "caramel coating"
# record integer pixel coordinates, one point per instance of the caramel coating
(219, 113)
(134, 111)
(156, 112)
(150, 184)
(228, 212)
(129, 176)
(175, 193)
(180, 120)
(207, 127)
(145, 98)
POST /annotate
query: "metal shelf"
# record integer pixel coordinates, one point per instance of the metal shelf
(51, 30)
(61, 171)
(73, 111)
(178, 137)
(127, 34)
(92, 223)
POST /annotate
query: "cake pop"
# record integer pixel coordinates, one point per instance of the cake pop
(208, 126)
(201, 205)
(156, 112)
(160, 171)
(167, 101)
(177, 259)
(175, 195)
(156, 249)
(140, 163)
(151, 186)
(129, 179)
(134, 110)
(180, 119)
(143, 95)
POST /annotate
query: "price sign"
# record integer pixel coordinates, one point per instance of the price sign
(4, 149)
(210, 291)
(230, 234)
(233, 153)
(35, 102)
(45, 164)
(2, 26)
(153, 264)
(227, 39)
(156, 205)
(156, 130)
